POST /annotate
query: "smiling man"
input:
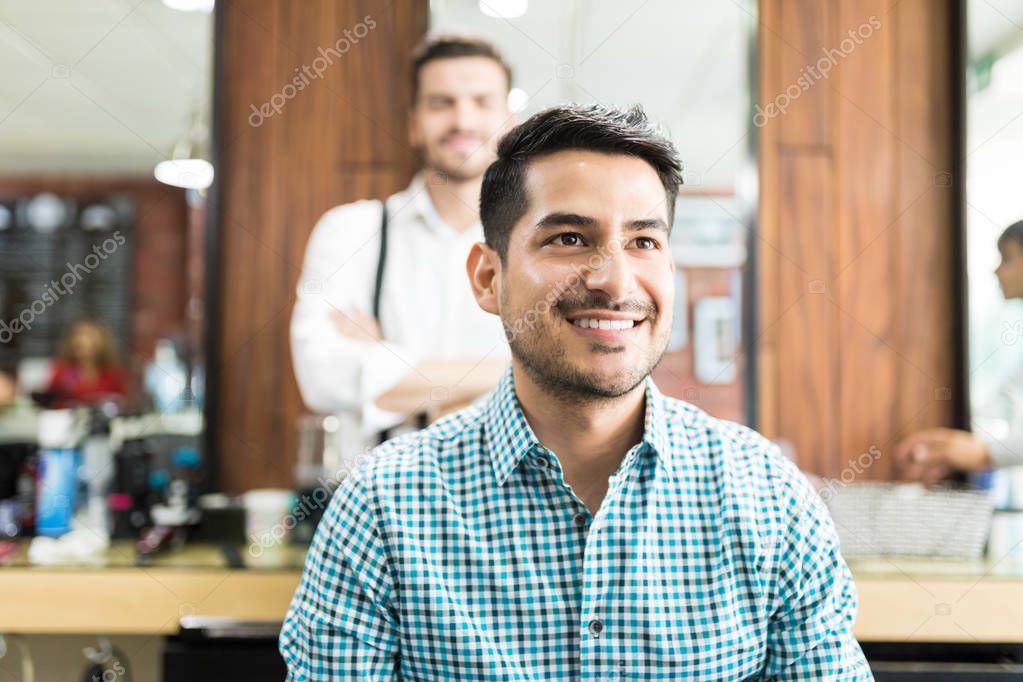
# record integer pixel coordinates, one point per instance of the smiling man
(578, 524)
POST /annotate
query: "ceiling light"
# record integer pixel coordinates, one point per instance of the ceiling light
(190, 5)
(517, 100)
(503, 9)
(187, 166)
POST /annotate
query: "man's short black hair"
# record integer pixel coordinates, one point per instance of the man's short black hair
(1013, 233)
(452, 46)
(595, 127)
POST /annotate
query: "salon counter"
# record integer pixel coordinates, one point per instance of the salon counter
(121, 597)
(923, 600)
(900, 600)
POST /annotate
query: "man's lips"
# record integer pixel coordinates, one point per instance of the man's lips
(462, 142)
(606, 325)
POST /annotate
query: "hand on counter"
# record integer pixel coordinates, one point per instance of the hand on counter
(933, 454)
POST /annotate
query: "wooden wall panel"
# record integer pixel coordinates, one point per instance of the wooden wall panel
(864, 156)
(339, 139)
(925, 210)
(806, 326)
(855, 285)
(803, 29)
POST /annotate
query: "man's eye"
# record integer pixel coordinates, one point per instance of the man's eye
(646, 243)
(568, 239)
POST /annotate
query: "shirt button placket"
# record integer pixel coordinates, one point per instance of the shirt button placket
(539, 461)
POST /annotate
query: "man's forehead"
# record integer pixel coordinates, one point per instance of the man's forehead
(574, 176)
(460, 73)
(581, 163)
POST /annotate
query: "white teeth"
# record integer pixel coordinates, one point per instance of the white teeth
(592, 323)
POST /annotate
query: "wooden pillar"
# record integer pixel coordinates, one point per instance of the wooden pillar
(856, 289)
(285, 154)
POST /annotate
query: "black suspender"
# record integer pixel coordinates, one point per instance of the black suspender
(381, 261)
(378, 286)
(422, 419)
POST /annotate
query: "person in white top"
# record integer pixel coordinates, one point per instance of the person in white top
(933, 454)
(385, 324)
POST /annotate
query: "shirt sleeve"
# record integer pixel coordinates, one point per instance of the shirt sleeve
(810, 630)
(335, 372)
(998, 423)
(1005, 452)
(342, 624)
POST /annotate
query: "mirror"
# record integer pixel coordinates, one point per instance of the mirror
(689, 64)
(104, 175)
(993, 202)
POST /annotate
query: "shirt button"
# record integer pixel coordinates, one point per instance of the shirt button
(596, 627)
(579, 520)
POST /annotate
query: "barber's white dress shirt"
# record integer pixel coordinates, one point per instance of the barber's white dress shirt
(427, 309)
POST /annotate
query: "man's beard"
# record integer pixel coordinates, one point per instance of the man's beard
(470, 168)
(539, 349)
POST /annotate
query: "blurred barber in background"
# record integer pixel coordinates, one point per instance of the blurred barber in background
(385, 325)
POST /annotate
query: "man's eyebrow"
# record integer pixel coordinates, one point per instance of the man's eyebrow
(560, 219)
(552, 220)
(446, 96)
(648, 224)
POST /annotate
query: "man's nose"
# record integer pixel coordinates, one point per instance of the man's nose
(609, 271)
(465, 115)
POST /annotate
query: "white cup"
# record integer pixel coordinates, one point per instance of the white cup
(268, 520)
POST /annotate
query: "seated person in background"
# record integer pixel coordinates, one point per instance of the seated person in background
(8, 389)
(86, 371)
(17, 412)
(578, 525)
(933, 454)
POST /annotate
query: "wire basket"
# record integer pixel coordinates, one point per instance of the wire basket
(897, 519)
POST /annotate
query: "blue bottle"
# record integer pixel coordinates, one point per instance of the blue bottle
(57, 476)
(55, 495)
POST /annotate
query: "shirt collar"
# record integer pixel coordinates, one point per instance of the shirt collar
(421, 204)
(510, 438)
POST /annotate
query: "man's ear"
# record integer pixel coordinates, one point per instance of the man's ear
(484, 269)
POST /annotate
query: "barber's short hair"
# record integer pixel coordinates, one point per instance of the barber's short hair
(1013, 233)
(453, 46)
(597, 128)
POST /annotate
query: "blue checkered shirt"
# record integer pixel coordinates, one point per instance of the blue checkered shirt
(460, 553)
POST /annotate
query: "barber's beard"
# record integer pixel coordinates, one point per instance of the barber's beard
(468, 169)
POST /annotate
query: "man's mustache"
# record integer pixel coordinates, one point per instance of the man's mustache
(465, 133)
(567, 306)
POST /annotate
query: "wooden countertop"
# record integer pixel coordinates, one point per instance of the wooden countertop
(120, 597)
(900, 600)
(920, 600)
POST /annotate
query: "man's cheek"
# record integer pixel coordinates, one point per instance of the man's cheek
(665, 301)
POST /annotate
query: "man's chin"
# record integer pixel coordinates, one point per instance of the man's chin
(458, 168)
(609, 380)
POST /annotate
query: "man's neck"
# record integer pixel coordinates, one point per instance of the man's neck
(590, 438)
(457, 203)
